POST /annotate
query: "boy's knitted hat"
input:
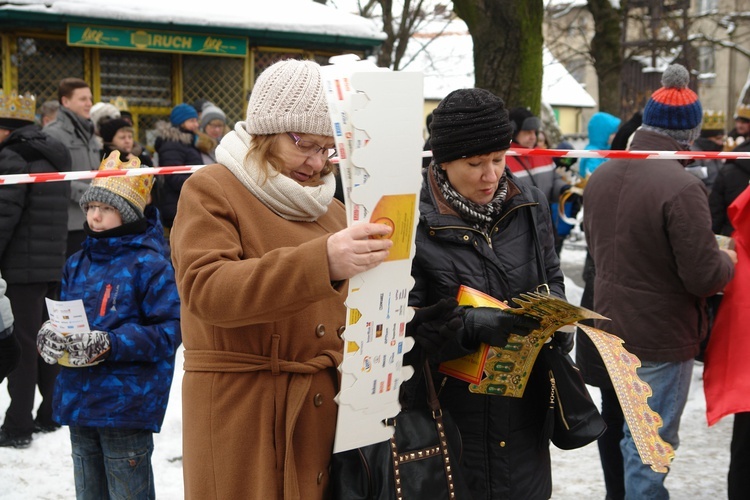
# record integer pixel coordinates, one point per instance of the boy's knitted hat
(469, 122)
(674, 110)
(288, 97)
(128, 195)
(182, 113)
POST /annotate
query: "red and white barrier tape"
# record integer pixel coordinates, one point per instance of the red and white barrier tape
(567, 153)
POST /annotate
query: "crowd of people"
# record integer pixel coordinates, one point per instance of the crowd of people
(246, 262)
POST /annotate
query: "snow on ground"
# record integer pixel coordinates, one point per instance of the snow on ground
(45, 470)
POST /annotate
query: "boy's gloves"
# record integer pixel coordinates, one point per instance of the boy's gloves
(50, 344)
(10, 351)
(433, 326)
(88, 349)
(493, 326)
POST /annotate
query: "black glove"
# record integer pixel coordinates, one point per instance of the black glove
(564, 339)
(50, 344)
(434, 326)
(10, 351)
(493, 326)
(87, 349)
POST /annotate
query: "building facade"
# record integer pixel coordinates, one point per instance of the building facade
(159, 54)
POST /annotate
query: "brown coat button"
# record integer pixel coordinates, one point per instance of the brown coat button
(341, 331)
(320, 477)
(320, 330)
(318, 399)
(502, 444)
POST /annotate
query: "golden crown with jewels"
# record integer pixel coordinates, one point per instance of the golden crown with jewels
(713, 120)
(742, 111)
(17, 107)
(135, 189)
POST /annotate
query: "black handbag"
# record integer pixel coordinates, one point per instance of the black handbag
(420, 461)
(573, 420)
(577, 421)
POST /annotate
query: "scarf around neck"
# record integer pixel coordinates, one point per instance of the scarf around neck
(479, 216)
(282, 195)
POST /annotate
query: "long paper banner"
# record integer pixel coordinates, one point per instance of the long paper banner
(381, 175)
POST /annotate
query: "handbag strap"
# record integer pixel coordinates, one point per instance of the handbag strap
(432, 397)
(542, 272)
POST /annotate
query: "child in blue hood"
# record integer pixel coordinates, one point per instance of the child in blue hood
(114, 385)
(602, 128)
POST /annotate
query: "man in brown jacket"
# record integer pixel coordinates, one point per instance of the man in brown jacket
(648, 228)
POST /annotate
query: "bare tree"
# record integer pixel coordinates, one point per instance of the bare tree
(507, 37)
(606, 53)
(620, 42)
(401, 19)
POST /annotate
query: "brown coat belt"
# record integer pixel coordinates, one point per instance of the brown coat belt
(299, 386)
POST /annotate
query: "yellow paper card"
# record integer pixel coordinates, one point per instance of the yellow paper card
(397, 212)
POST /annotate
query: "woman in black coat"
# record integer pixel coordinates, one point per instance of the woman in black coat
(477, 229)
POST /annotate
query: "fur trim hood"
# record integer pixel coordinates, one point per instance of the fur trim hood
(166, 132)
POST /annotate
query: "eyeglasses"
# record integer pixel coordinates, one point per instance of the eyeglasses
(310, 148)
(103, 209)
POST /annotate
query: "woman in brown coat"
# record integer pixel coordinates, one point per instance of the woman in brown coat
(262, 255)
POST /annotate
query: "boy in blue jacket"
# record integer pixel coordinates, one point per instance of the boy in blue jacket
(114, 386)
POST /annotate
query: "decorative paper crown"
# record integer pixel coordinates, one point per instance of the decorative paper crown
(121, 103)
(135, 189)
(742, 111)
(713, 120)
(17, 107)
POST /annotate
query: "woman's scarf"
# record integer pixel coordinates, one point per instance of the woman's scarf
(479, 216)
(281, 194)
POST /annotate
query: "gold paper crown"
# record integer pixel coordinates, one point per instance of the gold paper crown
(121, 103)
(742, 111)
(17, 107)
(134, 189)
(713, 120)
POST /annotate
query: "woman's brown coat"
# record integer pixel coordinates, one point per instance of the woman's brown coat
(260, 325)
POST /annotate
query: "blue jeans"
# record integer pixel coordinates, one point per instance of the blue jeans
(669, 383)
(112, 463)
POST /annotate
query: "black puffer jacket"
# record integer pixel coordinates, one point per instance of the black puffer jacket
(731, 180)
(504, 455)
(174, 147)
(33, 217)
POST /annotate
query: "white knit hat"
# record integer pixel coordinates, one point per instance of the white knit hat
(288, 97)
(102, 110)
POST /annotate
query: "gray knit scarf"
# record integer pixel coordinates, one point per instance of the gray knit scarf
(479, 216)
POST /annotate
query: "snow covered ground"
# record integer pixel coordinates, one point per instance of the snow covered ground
(45, 470)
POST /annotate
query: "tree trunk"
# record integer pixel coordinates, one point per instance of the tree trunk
(606, 52)
(508, 41)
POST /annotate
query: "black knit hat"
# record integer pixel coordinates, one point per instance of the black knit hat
(109, 129)
(469, 122)
(523, 119)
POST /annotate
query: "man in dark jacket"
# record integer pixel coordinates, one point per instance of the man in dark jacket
(75, 130)
(33, 231)
(648, 228)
